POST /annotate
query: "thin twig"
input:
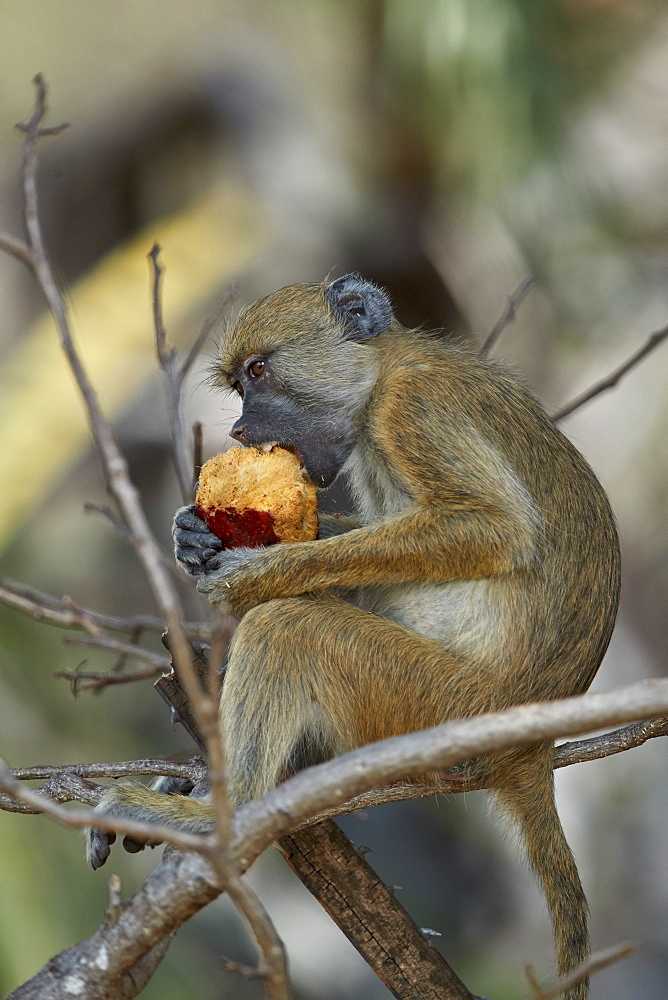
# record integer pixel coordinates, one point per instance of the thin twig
(596, 961)
(100, 679)
(272, 968)
(16, 248)
(158, 662)
(114, 463)
(123, 657)
(194, 769)
(53, 610)
(210, 731)
(652, 342)
(84, 818)
(175, 374)
(507, 316)
(115, 521)
(198, 453)
(229, 296)
(173, 380)
(617, 741)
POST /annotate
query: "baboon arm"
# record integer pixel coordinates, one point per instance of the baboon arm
(336, 524)
(428, 543)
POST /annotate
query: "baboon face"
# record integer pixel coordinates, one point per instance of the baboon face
(301, 362)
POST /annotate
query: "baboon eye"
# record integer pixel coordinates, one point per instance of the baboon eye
(237, 386)
(255, 368)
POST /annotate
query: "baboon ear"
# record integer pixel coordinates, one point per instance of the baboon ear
(363, 309)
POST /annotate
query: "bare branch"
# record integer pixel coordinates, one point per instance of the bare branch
(69, 784)
(16, 248)
(114, 464)
(194, 769)
(54, 611)
(652, 342)
(175, 374)
(198, 453)
(596, 961)
(305, 796)
(564, 755)
(272, 969)
(60, 787)
(101, 679)
(507, 316)
(610, 743)
(116, 523)
(228, 298)
(145, 924)
(159, 663)
(83, 818)
(369, 914)
(173, 381)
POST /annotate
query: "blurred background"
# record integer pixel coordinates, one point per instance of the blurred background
(445, 149)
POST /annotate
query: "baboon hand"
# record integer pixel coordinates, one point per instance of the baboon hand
(229, 574)
(194, 543)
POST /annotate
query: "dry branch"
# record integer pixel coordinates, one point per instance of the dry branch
(178, 889)
(157, 661)
(114, 464)
(596, 961)
(565, 755)
(507, 316)
(652, 342)
(55, 611)
(360, 902)
(300, 799)
(173, 381)
(126, 496)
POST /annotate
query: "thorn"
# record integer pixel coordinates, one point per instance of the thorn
(361, 850)
(428, 933)
(113, 910)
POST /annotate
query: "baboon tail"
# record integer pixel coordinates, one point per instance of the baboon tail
(525, 790)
